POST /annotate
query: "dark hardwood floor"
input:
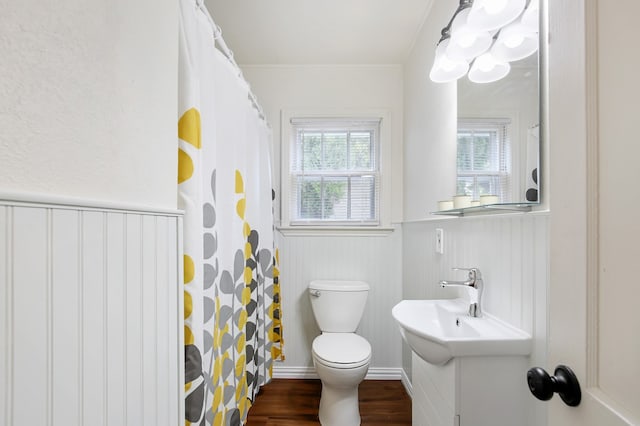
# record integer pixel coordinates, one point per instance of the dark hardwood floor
(295, 402)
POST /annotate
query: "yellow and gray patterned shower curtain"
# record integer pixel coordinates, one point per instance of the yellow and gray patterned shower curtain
(231, 290)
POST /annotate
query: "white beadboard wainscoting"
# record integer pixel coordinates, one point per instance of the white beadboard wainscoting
(90, 314)
(511, 251)
(376, 259)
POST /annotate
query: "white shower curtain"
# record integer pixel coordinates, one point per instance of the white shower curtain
(232, 324)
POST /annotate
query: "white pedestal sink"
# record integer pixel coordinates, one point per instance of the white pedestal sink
(475, 368)
(438, 330)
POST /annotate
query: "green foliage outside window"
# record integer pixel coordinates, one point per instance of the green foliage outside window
(324, 152)
(314, 205)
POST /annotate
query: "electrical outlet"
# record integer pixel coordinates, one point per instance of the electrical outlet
(439, 241)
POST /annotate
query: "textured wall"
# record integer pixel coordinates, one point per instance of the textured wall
(88, 99)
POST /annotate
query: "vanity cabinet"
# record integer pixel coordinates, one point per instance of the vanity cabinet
(470, 391)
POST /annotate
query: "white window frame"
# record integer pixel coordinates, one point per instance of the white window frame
(288, 118)
(505, 147)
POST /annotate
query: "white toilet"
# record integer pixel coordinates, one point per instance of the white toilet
(340, 356)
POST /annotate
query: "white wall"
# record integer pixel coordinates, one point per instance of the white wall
(510, 250)
(88, 99)
(333, 88)
(90, 312)
(429, 122)
(375, 259)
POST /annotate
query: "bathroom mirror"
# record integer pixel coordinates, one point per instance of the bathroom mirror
(499, 135)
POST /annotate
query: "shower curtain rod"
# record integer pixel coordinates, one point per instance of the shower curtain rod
(217, 38)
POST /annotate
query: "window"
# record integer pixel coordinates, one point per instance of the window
(334, 172)
(483, 158)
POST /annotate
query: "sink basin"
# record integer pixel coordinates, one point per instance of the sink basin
(438, 330)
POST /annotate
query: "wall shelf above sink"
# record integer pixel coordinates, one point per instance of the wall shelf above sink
(488, 209)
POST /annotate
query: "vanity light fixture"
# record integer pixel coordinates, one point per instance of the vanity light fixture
(482, 37)
(531, 16)
(445, 68)
(467, 42)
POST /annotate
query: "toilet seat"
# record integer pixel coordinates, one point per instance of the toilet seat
(341, 350)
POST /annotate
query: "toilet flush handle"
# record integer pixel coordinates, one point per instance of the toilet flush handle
(314, 293)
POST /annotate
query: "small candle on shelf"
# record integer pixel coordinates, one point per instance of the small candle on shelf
(488, 199)
(445, 205)
(461, 201)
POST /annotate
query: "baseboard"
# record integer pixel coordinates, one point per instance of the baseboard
(281, 372)
(294, 372)
(384, 374)
(408, 386)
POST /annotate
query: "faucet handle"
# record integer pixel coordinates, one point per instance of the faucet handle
(473, 272)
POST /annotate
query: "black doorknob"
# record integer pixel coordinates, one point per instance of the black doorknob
(564, 382)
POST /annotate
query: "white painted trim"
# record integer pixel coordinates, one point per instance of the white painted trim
(385, 139)
(33, 199)
(330, 231)
(310, 373)
(384, 374)
(406, 382)
(593, 194)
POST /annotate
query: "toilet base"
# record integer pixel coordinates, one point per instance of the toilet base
(340, 381)
(339, 398)
(339, 406)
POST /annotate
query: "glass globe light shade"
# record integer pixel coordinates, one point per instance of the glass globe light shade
(466, 41)
(487, 69)
(514, 42)
(488, 15)
(446, 69)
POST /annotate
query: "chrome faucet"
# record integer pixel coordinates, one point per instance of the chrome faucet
(474, 284)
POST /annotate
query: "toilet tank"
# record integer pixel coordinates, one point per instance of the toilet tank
(338, 305)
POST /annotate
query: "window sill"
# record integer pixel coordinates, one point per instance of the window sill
(335, 231)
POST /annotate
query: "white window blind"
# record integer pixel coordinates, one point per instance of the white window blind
(334, 172)
(484, 158)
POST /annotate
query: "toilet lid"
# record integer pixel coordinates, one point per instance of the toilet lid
(341, 348)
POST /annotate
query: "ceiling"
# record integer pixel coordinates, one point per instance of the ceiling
(319, 31)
